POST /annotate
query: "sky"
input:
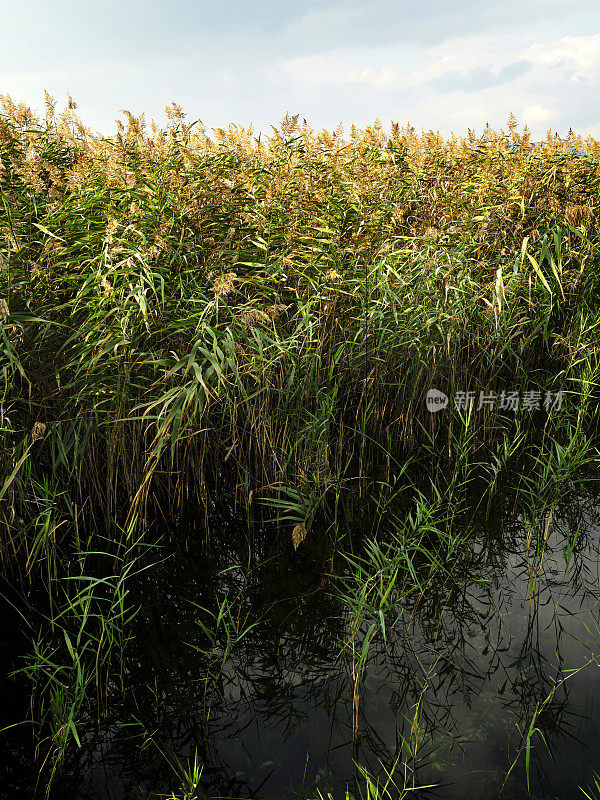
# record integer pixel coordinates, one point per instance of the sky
(437, 64)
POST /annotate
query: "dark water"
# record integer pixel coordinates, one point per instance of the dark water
(470, 661)
(17, 770)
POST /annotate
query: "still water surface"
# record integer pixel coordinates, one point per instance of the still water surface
(471, 662)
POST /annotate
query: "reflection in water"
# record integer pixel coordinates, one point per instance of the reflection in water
(471, 661)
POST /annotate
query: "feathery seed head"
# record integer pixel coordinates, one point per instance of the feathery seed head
(38, 431)
(223, 284)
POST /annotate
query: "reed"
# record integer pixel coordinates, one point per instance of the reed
(186, 315)
(191, 321)
(80, 645)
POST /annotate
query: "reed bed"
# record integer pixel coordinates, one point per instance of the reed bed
(187, 316)
(218, 323)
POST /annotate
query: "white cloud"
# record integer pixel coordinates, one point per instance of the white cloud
(311, 71)
(404, 67)
(578, 55)
(463, 82)
(479, 50)
(534, 115)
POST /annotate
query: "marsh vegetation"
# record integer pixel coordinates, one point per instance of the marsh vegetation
(240, 557)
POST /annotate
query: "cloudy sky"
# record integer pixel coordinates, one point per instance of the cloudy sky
(440, 65)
